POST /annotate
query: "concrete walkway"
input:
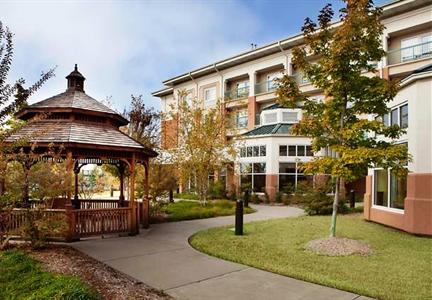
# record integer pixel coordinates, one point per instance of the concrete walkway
(162, 258)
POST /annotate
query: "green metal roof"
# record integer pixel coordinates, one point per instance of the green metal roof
(278, 128)
(273, 106)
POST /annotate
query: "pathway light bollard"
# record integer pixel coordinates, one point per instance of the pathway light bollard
(239, 218)
(246, 198)
(352, 198)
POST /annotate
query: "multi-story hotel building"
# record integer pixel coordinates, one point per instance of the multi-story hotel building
(269, 154)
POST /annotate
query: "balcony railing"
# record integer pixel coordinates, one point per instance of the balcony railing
(265, 87)
(411, 53)
(237, 93)
(301, 79)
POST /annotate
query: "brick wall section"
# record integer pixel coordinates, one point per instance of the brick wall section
(252, 110)
(169, 134)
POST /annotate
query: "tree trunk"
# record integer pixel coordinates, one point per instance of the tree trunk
(335, 208)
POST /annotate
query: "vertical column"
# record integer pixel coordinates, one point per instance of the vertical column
(288, 64)
(146, 198)
(252, 82)
(382, 65)
(76, 202)
(69, 170)
(132, 204)
(121, 169)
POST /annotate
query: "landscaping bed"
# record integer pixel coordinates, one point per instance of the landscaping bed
(65, 273)
(399, 265)
(190, 210)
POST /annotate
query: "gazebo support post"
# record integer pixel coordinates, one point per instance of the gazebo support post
(3, 179)
(26, 194)
(69, 169)
(77, 168)
(146, 199)
(132, 204)
(121, 169)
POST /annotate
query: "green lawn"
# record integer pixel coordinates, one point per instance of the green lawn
(400, 268)
(21, 277)
(189, 210)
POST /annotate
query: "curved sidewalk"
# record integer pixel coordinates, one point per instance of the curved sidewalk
(162, 258)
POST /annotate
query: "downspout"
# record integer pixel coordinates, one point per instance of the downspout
(196, 83)
(288, 65)
(221, 80)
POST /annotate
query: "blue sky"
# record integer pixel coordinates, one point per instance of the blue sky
(130, 47)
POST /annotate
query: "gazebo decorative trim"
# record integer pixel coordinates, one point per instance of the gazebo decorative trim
(89, 132)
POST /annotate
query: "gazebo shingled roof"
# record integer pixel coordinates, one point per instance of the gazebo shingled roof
(75, 120)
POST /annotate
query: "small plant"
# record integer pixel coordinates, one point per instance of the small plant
(255, 198)
(286, 199)
(217, 190)
(266, 199)
(278, 197)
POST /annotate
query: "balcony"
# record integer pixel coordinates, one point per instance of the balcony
(265, 87)
(301, 79)
(237, 93)
(410, 53)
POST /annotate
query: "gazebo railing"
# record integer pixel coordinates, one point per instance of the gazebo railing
(98, 204)
(89, 222)
(15, 220)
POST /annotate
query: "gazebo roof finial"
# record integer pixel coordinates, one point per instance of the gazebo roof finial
(75, 80)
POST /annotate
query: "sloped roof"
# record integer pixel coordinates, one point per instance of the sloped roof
(423, 69)
(273, 106)
(73, 99)
(278, 128)
(79, 133)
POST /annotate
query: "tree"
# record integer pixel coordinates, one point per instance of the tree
(144, 122)
(203, 147)
(344, 54)
(12, 98)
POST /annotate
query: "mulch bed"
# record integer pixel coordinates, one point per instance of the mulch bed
(338, 247)
(110, 283)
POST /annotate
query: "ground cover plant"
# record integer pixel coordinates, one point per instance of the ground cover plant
(189, 210)
(21, 277)
(398, 268)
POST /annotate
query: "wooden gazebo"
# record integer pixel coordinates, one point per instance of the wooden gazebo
(89, 133)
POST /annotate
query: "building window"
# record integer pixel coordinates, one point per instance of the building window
(289, 116)
(389, 190)
(397, 116)
(290, 176)
(253, 176)
(403, 112)
(242, 89)
(295, 150)
(253, 151)
(241, 119)
(270, 118)
(210, 97)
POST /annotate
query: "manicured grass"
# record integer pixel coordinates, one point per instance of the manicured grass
(400, 268)
(21, 277)
(189, 210)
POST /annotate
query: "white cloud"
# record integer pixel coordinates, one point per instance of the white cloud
(123, 47)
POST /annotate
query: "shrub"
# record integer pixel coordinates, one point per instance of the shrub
(217, 190)
(255, 198)
(278, 197)
(317, 201)
(266, 198)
